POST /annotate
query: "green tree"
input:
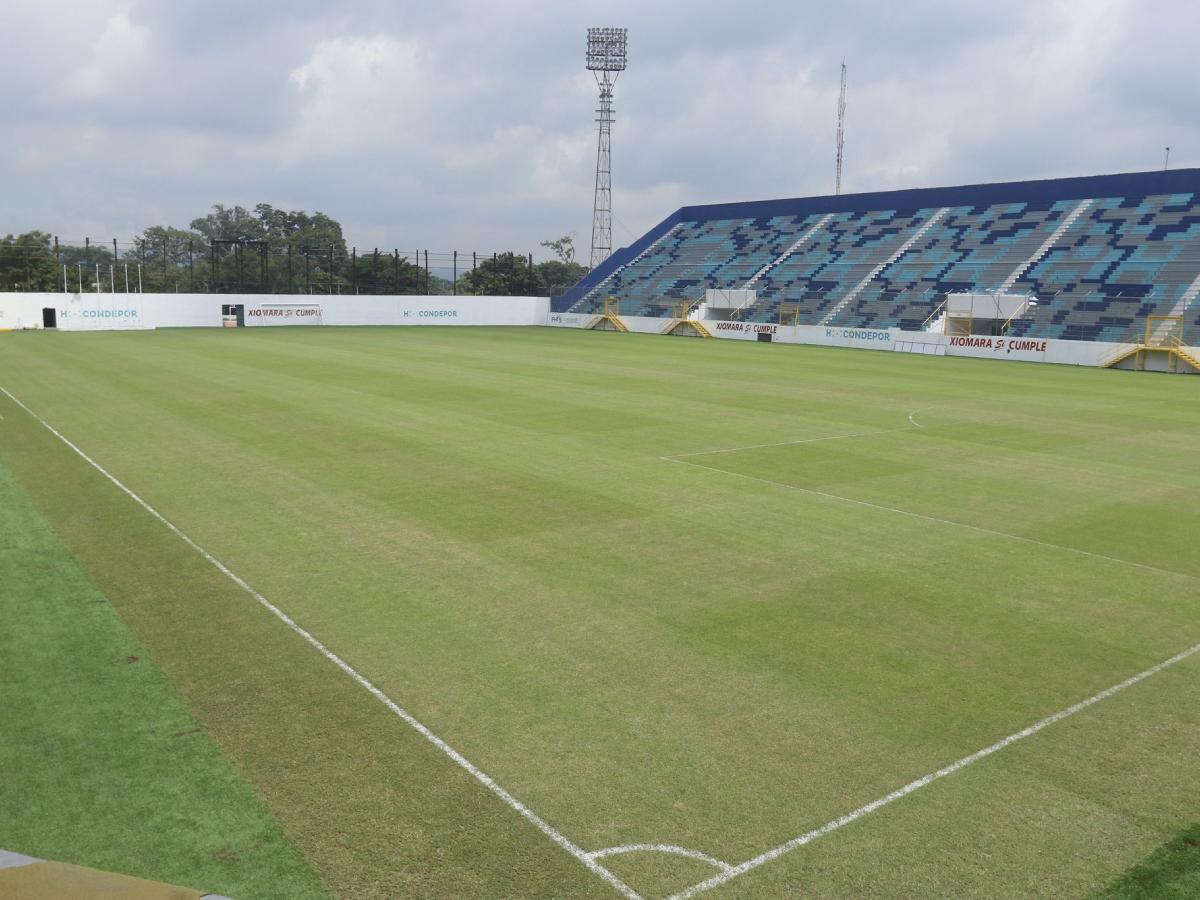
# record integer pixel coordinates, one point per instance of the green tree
(171, 259)
(563, 247)
(304, 252)
(27, 263)
(229, 224)
(505, 274)
(557, 275)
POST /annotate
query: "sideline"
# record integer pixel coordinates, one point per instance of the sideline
(727, 874)
(478, 774)
(589, 859)
(810, 836)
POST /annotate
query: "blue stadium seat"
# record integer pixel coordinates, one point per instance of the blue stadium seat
(1099, 254)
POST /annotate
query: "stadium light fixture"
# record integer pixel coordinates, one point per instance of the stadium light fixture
(606, 59)
(606, 49)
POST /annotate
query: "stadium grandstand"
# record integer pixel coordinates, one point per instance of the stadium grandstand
(1095, 256)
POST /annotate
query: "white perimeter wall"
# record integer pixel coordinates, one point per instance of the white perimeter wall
(1074, 353)
(91, 312)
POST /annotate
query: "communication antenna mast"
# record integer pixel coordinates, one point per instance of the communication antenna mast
(605, 60)
(841, 132)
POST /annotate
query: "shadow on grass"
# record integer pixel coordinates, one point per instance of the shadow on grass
(1171, 871)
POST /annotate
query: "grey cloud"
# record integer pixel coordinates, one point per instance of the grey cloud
(470, 124)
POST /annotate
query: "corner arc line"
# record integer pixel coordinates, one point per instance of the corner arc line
(673, 849)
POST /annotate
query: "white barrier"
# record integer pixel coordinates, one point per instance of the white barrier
(95, 312)
(77, 312)
(1043, 350)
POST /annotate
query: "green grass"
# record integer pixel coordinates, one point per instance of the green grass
(721, 651)
(100, 764)
(1170, 872)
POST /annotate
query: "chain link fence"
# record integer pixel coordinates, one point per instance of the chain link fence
(38, 262)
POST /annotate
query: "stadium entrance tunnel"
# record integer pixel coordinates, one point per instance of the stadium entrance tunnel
(49, 317)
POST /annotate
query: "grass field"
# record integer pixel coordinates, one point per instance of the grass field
(694, 594)
(101, 763)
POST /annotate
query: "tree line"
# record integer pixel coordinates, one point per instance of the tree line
(269, 250)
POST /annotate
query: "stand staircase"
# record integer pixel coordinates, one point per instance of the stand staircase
(683, 325)
(1164, 334)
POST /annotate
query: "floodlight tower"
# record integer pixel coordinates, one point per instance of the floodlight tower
(841, 132)
(605, 60)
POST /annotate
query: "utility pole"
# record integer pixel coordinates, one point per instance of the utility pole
(841, 130)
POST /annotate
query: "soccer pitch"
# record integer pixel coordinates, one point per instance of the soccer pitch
(604, 613)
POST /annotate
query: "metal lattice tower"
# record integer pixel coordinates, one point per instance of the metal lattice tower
(841, 132)
(606, 60)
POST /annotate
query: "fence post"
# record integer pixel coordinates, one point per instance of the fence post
(331, 268)
(426, 273)
(354, 268)
(396, 269)
(454, 277)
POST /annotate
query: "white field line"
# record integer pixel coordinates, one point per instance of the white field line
(848, 818)
(478, 774)
(673, 849)
(916, 515)
(683, 459)
(831, 437)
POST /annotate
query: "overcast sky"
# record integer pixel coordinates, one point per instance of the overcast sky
(469, 125)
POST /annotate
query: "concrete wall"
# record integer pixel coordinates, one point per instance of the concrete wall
(78, 312)
(1072, 353)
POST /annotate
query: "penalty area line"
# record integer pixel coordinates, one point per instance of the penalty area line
(922, 516)
(850, 817)
(815, 440)
(587, 859)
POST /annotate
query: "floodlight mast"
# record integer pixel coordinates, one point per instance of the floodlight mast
(606, 58)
